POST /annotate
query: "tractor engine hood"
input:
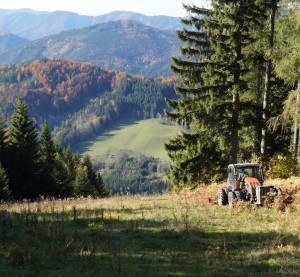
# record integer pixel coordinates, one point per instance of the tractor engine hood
(251, 184)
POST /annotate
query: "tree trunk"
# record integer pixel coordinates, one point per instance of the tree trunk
(234, 132)
(256, 136)
(296, 129)
(234, 144)
(263, 144)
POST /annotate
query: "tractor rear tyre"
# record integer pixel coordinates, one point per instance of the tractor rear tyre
(231, 199)
(222, 197)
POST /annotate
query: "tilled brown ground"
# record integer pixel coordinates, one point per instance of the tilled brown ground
(288, 199)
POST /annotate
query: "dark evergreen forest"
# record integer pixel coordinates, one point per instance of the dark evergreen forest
(239, 99)
(33, 166)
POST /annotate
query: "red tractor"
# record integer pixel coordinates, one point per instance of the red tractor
(245, 182)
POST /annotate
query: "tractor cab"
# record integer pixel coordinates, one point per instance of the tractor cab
(237, 173)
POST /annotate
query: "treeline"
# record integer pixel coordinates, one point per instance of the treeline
(133, 97)
(31, 165)
(136, 175)
(240, 67)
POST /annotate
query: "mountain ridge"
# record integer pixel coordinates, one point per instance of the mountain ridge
(32, 24)
(123, 45)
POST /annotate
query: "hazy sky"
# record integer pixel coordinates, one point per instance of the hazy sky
(98, 7)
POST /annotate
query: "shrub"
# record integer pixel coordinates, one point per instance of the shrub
(281, 167)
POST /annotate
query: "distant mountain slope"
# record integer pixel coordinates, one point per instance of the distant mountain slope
(162, 22)
(122, 45)
(8, 41)
(4, 12)
(32, 24)
(80, 99)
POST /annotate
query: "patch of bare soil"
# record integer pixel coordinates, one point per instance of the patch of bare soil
(288, 198)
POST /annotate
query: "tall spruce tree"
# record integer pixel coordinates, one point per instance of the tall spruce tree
(92, 176)
(96, 181)
(82, 184)
(48, 163)
(5, 192)
(63, 177)
(22, 167)
(214, 92)
(72, 161)
(101, 187)
(90, 169)
(2, 140)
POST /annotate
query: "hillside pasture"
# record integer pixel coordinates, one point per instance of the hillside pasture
(162, 235)
(145, 137)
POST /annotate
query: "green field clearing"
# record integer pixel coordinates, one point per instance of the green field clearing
(146, 137)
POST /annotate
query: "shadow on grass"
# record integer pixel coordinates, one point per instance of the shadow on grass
(102, 243)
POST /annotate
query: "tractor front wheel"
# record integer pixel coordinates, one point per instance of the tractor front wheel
(222, 197)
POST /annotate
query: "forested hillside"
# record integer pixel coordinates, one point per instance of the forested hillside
(33, 24)
(123, 46)
(79, 99)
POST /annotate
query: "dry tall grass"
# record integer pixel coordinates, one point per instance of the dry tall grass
(161, 235)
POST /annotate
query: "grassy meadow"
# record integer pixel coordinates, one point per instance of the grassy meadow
(146, 137)
(162, 235)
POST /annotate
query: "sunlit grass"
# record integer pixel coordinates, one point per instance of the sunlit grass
(162, 235)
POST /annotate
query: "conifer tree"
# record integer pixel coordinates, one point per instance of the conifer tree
(234, 39)
(101, 187)
(96, 181)
(82, 184)
(22, 167)
(47, 162)
(72, 162)
(87, 162)
(63, 179)
(4, 185)
(2, 140)
(187, 149)
(214, 95)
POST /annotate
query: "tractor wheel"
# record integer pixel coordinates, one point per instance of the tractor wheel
(245, 196)
(231, 199)
(238, 195)
(222, 197)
